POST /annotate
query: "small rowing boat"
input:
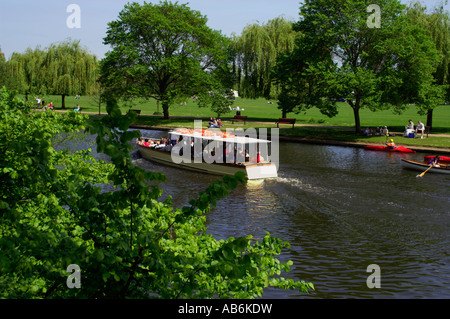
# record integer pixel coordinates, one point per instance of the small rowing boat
(419, 166)
(401, 149)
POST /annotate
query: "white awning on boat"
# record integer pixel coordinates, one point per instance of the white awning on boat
(235, 139)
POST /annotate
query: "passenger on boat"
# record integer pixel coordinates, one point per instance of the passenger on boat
(434, 161)
(391, 144)
(146, 143)
(159, 145)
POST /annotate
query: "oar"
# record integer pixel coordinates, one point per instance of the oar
(421, 175)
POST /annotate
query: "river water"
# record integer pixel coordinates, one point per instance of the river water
(341, 209)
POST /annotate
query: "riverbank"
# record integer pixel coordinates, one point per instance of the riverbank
(303, 133)
(325, 141)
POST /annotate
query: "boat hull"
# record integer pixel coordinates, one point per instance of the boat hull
(418, 166)
(252, 171)
(401, 149)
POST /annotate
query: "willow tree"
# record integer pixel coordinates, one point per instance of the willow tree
(162, 51)
(257, 49)
(437, 23)
(26, 71)
(70, 69)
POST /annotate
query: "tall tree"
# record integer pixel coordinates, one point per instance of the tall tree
(376, 67)
(163, 51)
(299, 88)
(26, 71)
(70, 69)
(257, 49)
(437, 23)
(3, 70)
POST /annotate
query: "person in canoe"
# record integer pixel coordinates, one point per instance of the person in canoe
(434, 161)
(391, 144)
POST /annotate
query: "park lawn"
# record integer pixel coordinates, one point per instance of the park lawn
(261, 111)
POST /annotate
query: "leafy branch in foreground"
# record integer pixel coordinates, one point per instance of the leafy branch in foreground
(63, 207)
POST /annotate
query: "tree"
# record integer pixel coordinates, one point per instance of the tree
(163, 51)
(372, 67)
(257, 49)
(299, 88)
(56, 211)
(69, 69)
(219, 101)
(437, 23)
(27, 72)
(3, 70)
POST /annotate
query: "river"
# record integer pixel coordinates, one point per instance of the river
(341, 209)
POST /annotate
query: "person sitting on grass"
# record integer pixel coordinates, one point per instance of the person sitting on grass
(77, 108)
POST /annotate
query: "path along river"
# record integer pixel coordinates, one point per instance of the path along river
(341, 209)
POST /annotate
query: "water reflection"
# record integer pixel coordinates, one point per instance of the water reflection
(341, 209)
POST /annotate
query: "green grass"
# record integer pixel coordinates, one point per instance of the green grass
(261, 111)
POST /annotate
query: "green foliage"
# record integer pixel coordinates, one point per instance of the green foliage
(256, 51)
(60, 207)
(64, 68)
(219, 101)
(377, 68)
(163, 51)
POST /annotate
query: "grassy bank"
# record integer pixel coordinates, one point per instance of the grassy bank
(261, 114)
(260, 110)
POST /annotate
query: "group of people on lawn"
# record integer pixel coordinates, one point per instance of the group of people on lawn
(383, 131)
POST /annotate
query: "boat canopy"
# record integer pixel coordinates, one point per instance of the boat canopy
(217, 135)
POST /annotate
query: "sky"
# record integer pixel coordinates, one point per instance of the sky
(31, 23)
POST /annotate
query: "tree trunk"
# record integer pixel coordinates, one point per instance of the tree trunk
(283, 113)
(357, 120)
(430, 119)
(165, 106)
(63, 101)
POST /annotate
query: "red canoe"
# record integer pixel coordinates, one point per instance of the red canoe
(387, 149)
(442, 159)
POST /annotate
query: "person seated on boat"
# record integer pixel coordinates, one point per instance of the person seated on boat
(420, 127)
(146, 143)
(159, 145)
(391, 144)
(434, 161)
(168, 147)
